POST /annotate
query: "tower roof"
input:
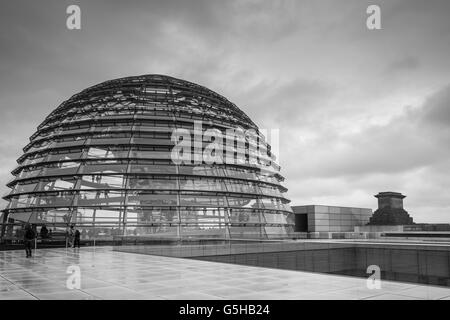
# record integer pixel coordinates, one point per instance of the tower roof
(390, 194)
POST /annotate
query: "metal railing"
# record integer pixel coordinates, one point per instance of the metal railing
(202, 247)
(13, 234)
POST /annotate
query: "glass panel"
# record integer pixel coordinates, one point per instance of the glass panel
(152, 141)
(111, 135)
(112, 127)
(136, 215)
(244, 216)
(25, 174)
(244, 202)
(106, 233)
(246, 232)
(47, 133)
(200, 200)
(62, 199)
(14, 232)
(22, 188)
(106, 152)
(149, 183)
(241, 186)
(75, 130)
(286, 207)
(70, 143)
(109, 216)
(65, 156)
(157, 231)
(274, 203)
(58, 184)
(153, 126)
(274, 232)
(151, 168)
(203, 215)
(275, 218)
(105, 197)
(34, 160)
(202, 170)
(208, 230)
(88, 115)
(97, 152)
(240, 173)
(63, 168)
(110, 141)
(140, 198)
(144, 154)
(85, 215)
(104, 168)
(267, 177)
(269, 190)
(53, 216)
(23, 201)
(87, 231)
(202, 184)
(102, 182)
(116, 112)
(41, 145)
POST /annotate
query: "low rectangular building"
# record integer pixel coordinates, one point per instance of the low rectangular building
(318, 218)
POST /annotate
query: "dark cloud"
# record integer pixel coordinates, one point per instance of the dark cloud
(406, 63)
(336, 90)
(293, 100)
(437, 110)
(409, 153)
(406, 142)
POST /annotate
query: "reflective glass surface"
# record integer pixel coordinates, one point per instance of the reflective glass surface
(104, 159)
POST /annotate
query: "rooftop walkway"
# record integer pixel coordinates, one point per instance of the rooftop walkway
(108, 274)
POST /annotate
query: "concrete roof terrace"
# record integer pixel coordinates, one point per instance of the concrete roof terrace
(108, 274)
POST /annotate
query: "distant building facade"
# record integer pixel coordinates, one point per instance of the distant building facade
(318, 218)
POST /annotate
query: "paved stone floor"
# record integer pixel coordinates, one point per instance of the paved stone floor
(106, 274)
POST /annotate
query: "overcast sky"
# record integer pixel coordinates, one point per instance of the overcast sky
(359, 111)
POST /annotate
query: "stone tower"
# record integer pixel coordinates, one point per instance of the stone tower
(390, 210)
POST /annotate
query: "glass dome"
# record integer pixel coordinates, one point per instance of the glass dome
(104, 160)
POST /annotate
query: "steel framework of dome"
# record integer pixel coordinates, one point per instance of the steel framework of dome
(102, 161)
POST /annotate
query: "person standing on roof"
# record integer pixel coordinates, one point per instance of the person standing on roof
(28, 238)
(70, 236)
(77, 238)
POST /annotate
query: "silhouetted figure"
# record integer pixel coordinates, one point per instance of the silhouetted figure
(77, 239)
(70, 236)
(28, 238)
(44, 232)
